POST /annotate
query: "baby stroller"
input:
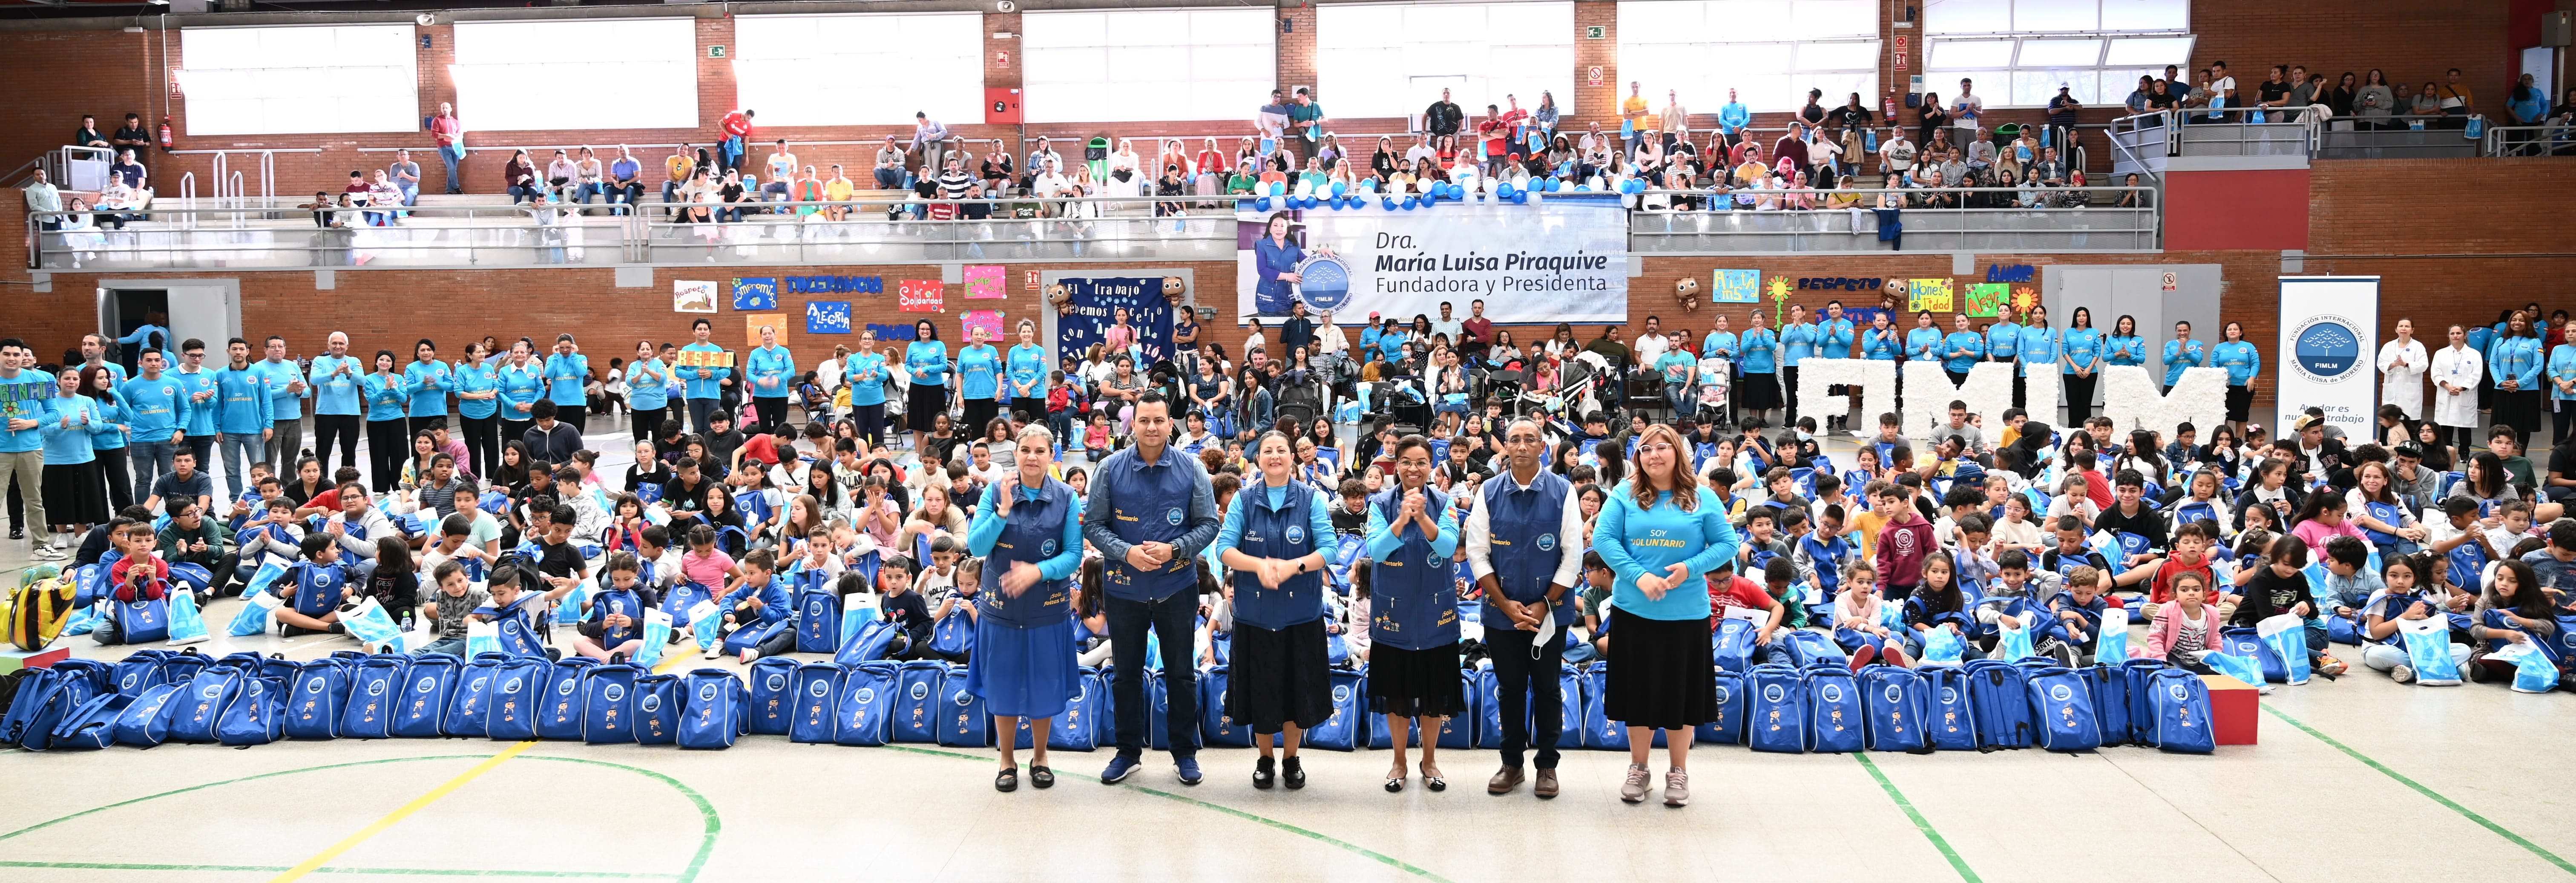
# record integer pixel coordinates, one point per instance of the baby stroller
(1299, 397)
(1401, 398)
(1503, 386)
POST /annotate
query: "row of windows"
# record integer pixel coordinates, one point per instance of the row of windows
(1162, 64)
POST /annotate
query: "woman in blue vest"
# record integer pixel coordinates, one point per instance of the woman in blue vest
(388, 441)
(1759, 393)
(1029, 532)
(1799, 339)
(1277, 538)
(567, 376)
(2515, 365)
(429, 381)
(2242, 362)
(1028, 375)
(1661, 533)
(648, 391)
(2080, 362)
(478, 406)
(979, 381)
(866, 375)
(926, 359)
(1413, 626)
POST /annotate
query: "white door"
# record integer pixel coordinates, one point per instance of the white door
(206, 310)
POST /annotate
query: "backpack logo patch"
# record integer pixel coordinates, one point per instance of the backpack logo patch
(426, 684)
(613, 692)
(1832, 692)
(1773, 693)
(920, 691)
(1895, 693)
(820, 689)
(707, 693)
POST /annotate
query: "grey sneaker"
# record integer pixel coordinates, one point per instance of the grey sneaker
(1634, 789)
(1676, 787)
(2404, 674)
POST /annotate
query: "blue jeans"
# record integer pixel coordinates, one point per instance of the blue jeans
(729, 151)
(151, 458)
(1173, 620)
(453, 156)
(240, 450)
(890, 179)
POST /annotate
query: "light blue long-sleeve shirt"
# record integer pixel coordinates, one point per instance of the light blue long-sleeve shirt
(474, 379)
(66, 430)
(2082, 348)
(1028, 371)
(566, 374)
(772, 370)
(204, 400)
(37, 405)
(285, 402)
(155, 407)
(928, 362)
(1734, 117)
(429, 382)
(1637, 541)
(1797, 342)
(244, 405)
(1382, 541)
(1834, 338)
(1923, 345)
(386, 395)
(986, 530)
(2183, 354)
(2119, 350)
(2240, 358)
(1761, 351)
(648, 385)
(521, 386)
(2038, 348)
(1877, 345)
(336, 393)
(2517, 359)
(2562, 366)
(1719, 345)
(979, 371)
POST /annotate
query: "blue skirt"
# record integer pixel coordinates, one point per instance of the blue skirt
(1023, 672)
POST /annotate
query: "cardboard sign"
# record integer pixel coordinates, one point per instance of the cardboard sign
(922, 296)
(986, 282)
(702, 359)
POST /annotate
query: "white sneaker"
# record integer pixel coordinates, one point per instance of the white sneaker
(2404, 674)
(713, 652)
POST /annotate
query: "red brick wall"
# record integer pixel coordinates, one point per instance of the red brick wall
(2497, 245)
(2410, 41)
(2252, 209)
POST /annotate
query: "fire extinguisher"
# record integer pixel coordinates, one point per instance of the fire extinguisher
(1891, 108)
(165, 134)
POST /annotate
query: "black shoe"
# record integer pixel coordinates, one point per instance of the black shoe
(1264, 773)
(1007, 781)
(17, 533)
(1041, 776)
(1294, 772)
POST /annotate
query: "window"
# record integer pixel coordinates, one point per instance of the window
(1392, 61)
(1157, 64)
(559, 75)
(2020, 51)
(1770, 52)
(846, 70)
(292, 80)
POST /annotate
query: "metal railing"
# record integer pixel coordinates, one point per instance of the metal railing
(2066, 219)
(69, 167)
(887, 231)
(160, 238)
(2552, 139)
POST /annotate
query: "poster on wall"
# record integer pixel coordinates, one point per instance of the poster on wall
(753, 322)
(922, 296)
(2329, 334)
(1736, 286)
(1929, 294)
(693, 297)
(755, 293)
(986, 282)
(1561, 260)
(827, 317)
(1093, 306)
(1986, 300)
(987, 321)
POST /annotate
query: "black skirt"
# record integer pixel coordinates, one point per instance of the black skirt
(76, 493)
(2519, 409)
(1760, 392)
(923, 405)
(1660, 673)
(1420, 683)
(2240, 402)
(1279, 677)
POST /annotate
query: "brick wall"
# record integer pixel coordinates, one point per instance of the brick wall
(2410, 41)
(2379, 218)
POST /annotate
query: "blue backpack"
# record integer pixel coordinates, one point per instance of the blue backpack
(916, 702)
(373, 689)
(657, 709)
(773, 696)
(2001, 699)
(1728, 728)
(1569, 700)
(1807, 648)
(1350, 710)
(276, 667)
(1776, 710)
(1949, 718)
(421, 708)
(257, 715)
(316, 698)
(2136, 676)
(1896, 700)
(2110, 692)
(559, 704)
(469, 709)
(873, 641)
(1216, 727)
(715, 710)
(2246, 642)
(1078, 728)
(142, 621)
(92, 726)
(1837, 715)
(961, 720)
(1735, 649)
(2179, 705)
(1599, 731)
(608, 703)
(178, 667)
(2062, 707)
(1484, 694)
(146, 722)
(812, 714)
(954, 635)
(863, 710)
(1459, 730)
(818, 614)
(138, 671)
(518, 696)
(43, 699)
(202, 702)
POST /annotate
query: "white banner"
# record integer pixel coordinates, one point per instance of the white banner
(1561, 259)
(2329, 335)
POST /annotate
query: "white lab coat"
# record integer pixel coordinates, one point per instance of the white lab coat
(2403, 386)
(2464, 368)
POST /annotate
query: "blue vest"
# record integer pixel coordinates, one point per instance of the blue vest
(1148, 504)
(1414, 600)
(318, 587)
(621, 603)
(1285, 533)
(1526, 549)
(1033, 532)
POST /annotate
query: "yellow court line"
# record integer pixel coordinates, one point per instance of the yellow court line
(378, 826)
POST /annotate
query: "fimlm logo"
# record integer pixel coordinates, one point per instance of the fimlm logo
(2325, 349)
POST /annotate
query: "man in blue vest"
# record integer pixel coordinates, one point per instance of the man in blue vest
(1151, 512)
(1524, 544)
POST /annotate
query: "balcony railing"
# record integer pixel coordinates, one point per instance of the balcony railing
(2055, 219)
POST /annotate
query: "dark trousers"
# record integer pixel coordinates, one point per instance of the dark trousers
(979, 413)
(120, 483)
(418, 425)
(2021, 393)
(204, 447)
(388, 445)
(1789, 396)
(771, 411)
(2079, 398)
(646, 422)
(328, 427)
(700, 410)
(511, 430)
(1519, 678)
(483, 444)
(871, 420)
(575, 416)
(1173, 621)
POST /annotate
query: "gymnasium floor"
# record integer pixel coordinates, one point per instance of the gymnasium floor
(2360, 777)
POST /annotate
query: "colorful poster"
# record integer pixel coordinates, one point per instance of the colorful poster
(1929, 294)
(1094, 304)
(755, 293)
(987, 282)
(890, 331)
(922, 296)
(1986, 300)
(835, 284)
(827, 317)
(987, 321)
(702, 359)
(1737, 287)
(1564, 261)
(753, 322)
(693, 297)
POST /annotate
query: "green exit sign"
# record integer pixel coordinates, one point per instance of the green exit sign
(715, 51)
(1596, 32)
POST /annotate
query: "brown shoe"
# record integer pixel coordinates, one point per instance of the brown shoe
(1546, 786)
(1505, 781)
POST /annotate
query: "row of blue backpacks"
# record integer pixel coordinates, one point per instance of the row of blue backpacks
(244, 699)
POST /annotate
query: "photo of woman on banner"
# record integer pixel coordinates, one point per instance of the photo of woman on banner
(1276, 257)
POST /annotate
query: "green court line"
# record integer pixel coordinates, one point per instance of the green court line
(1329, 840)
(1920, 823)
(2465, 812)
(697, 863)
(274, 869)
